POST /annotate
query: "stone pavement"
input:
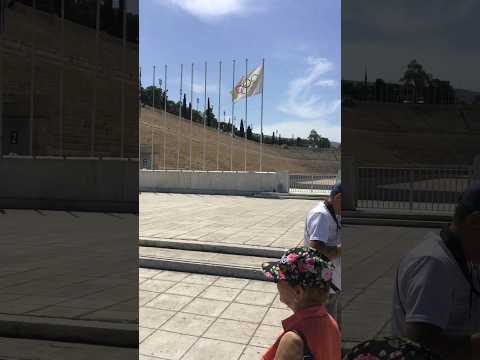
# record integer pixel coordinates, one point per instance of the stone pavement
(370, 257)
(195, 316)
(227, 219)
(68, 266)
(370, 253)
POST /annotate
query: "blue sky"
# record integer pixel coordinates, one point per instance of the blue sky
(385, 39)
(300, 41)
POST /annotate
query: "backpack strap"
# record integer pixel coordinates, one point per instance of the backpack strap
(307, 354)
(331, 211)
(398, 293)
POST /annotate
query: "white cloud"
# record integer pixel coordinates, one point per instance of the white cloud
(214, 9)
(303, 102)
(326, 83)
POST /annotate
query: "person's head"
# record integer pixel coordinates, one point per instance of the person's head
(336, 192)
(303, 277)
(466, 222)
(335, 197)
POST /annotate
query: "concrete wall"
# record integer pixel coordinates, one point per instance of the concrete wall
(213, 182)
(69, 184)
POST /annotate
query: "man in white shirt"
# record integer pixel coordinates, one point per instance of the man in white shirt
(437, 289)
(322, 232)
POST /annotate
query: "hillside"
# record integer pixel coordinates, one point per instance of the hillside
(62, 124)
(171, 130)
(377, 133)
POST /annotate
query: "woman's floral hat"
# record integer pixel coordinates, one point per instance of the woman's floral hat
(390, 348)
(301, 266)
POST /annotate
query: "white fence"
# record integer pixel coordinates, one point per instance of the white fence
(312, 183)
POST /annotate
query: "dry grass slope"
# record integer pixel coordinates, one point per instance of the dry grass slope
(169, 130)
(398, 134)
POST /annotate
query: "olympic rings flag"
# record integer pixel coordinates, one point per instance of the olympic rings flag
(250, 87)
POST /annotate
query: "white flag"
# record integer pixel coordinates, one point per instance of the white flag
(253, 85)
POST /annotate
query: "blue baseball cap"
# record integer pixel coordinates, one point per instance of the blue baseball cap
(470, 198)
(337, 189)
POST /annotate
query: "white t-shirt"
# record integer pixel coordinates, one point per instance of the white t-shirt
(320, 226)
(432, 289)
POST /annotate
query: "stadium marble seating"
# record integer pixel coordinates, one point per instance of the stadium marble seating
(79, 65)
(396, 133)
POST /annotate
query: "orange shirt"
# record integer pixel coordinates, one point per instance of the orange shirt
(320, 330)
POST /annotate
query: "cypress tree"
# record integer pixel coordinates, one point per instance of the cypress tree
(242, 129)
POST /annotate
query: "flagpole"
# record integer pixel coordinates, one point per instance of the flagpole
(165, 123)
(233, 112)
(261, 115)
(153, 117)
(179, 116)
(246, 111)
(139, 111)
(191, 116)
(204, 118)
(219, 116)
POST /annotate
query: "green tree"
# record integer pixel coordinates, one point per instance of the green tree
(416, 75)
(314, 138)
(185, 114)
(242, 129)
(249, 132)
(416, 79)
(211, 120)
(324, 143)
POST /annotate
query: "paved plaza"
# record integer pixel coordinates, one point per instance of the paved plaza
(227, 219)
(68, 270)
(195, 316)
(370, 256)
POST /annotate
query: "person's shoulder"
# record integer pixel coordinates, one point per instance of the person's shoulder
(425, 266)
(430, 249)
(292, 338)
(318, 211)
(291, 345)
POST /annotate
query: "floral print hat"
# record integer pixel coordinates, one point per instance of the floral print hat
(301, 266)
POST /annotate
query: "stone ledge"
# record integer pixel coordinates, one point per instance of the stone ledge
(67, 330)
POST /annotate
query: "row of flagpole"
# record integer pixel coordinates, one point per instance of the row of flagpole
(237, 91)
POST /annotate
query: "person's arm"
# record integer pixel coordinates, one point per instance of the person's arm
(331, 252)
(446, 346)
(290, 347)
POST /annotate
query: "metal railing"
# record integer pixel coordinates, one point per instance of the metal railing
(311, 183)
(412, 188)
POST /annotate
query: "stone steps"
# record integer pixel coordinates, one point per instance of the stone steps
(203, 262)
(215, 247)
